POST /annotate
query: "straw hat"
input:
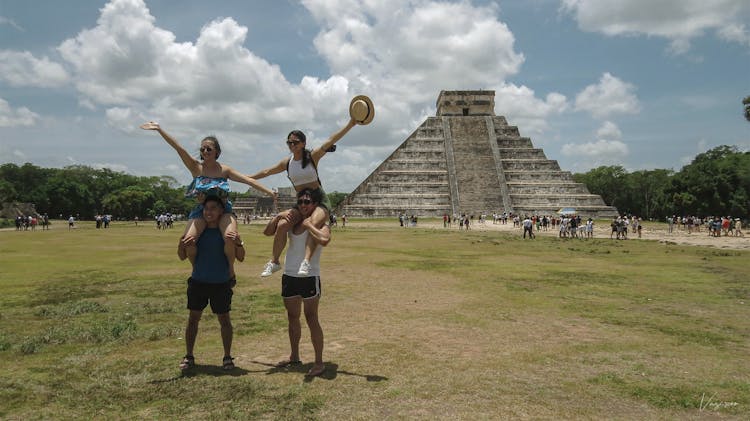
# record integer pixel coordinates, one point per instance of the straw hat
(361, 109)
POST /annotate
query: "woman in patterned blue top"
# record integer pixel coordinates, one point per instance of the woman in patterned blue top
(209, 178)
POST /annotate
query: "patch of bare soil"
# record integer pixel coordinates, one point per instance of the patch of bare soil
(650, 231)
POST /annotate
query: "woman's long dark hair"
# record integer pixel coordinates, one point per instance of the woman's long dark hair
(306, 154)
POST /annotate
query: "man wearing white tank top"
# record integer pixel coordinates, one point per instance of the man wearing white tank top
(298, 290)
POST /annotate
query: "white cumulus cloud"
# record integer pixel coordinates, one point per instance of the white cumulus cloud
(23, 69)
(609, 131)
(678, 21)
(594, 154)
(608, 149)
(12, 117)
(735, 32)
(11, 22)
(610, 96)
(523, 109)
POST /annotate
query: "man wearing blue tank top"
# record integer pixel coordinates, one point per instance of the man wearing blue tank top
(210, 281)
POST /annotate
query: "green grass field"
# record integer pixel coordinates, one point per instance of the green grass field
(419, 324)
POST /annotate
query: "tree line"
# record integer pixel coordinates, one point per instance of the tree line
(84, 192)
(716, 182)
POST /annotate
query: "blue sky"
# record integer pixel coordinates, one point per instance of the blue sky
(636, 83)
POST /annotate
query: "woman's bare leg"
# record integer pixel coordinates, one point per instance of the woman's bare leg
(193, 231)
(319, 218)
(316, 335)
(228, 223)
(289, 219)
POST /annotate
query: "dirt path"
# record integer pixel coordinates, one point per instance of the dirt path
(650, 231)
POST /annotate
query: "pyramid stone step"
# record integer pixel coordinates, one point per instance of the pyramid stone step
(407, 188)
(506, 131)
(574, 200)
(404, 200)
(548, 189)
(519, 142)
(384, 211)
(412, 176)
(530, 164)
(428, 143)
(522, 153)
(419, 155)
(537, 176)
(414, 165)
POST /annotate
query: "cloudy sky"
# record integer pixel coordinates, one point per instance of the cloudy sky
(636, 83)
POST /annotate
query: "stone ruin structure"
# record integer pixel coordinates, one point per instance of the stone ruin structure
(256, 204)
(468, 160)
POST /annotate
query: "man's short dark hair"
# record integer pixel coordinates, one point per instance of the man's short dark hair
(315, 194)
(213, 198)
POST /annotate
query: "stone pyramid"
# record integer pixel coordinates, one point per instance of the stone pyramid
(468, 160)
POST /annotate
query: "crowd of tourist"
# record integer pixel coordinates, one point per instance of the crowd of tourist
(715, 226)
(30, 222)
(164, 220)
(574, 226)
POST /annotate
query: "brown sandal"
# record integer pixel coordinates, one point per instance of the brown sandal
(227, 363)
(316, 370)
(287, 363)
(188, 362)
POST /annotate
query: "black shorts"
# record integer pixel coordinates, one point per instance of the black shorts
(200, 294)
(305, 287)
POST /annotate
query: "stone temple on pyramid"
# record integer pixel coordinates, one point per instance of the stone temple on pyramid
(468, 160)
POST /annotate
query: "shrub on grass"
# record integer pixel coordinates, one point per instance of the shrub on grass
(69, 309)
(4, 343)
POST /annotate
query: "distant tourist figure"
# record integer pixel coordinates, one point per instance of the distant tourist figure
(528, 227)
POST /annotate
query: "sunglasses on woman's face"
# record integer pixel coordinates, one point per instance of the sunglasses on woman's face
(304, 201)
(206, 149)
(293, 142)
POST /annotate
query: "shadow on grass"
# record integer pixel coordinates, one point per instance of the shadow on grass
(330, 373)
(204, 370)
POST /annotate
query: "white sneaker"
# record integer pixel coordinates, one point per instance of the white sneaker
(304, 268)
(270, 268)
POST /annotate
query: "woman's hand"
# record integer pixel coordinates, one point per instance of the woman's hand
(151, 125)
(234, 236)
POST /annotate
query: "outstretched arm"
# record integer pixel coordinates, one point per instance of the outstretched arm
(235, 175)
(321, 235)
(318, 152)
(280, 167)
(191, 163)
